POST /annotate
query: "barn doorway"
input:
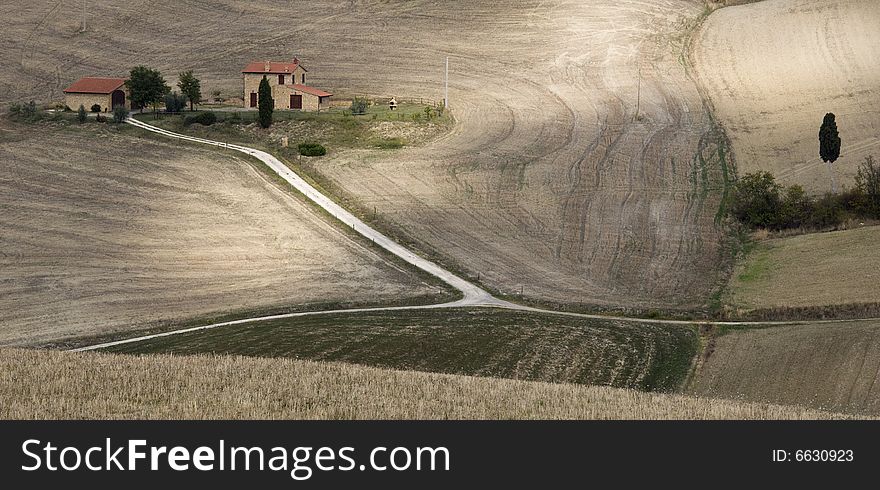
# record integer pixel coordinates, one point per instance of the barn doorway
(253, 100)
(296, 101)
(117, 99)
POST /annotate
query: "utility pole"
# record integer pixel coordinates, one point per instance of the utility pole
(84, 15)
(639, 93)
(446, 96)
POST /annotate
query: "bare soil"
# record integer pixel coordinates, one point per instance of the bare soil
(104, 232)
(569, 174)
(773, 69)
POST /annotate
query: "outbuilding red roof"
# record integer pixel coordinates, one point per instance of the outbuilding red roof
(310, 90)
(272, 67)
(95, 85)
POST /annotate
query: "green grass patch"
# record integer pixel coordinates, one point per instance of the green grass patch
(479, 342)
(388, 143)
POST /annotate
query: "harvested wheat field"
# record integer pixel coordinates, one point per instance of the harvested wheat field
(772, 70)
(565, 174)
(831, 367)
(105, 232)
(813, 270)
(57, 385)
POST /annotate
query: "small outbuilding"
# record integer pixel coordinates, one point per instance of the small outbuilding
(288, 82)
(107, 93)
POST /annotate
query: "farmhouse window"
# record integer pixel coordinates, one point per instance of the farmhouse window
(280, 79)
(253, 99)
(303, 79)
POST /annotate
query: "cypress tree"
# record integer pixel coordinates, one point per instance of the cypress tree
(829, 139)
(266, 104)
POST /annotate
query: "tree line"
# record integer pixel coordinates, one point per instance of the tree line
(761, 202)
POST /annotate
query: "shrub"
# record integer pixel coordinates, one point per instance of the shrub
(309, 149)
(81, 114)
(101, 118)
(96, 108)
(359, 105)
(120, 114)
(388, 143)
(174, 102)
(203, 118)
(429, 113)
(756, 200)
(868, 187)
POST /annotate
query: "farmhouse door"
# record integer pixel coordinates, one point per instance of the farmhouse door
(117, 99)
(296, 101)
(253, 100)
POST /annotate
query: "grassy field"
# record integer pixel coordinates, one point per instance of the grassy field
(809, 272)
(481, 342)
(336, 129)
(830, 367)
(57, 385)
(105, 232)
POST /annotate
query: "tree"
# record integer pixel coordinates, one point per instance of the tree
(190, 86)
(868, 185)
(147, 88)
(756, 200)
(81, 114)
(174, 102)
(266, 103)
(829, 144)
(358, 105)
(120, 114)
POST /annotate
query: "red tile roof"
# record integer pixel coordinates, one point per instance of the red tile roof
(95, 85)
(310, 90)
(272, 67)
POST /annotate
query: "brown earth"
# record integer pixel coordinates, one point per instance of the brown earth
(60, 385)
(104, 232)
(773, 69)
(551, 180)
(831, 367)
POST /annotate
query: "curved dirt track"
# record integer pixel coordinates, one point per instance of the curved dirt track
(472, 294)
(103, 232)
(774, 68)
(549, 181)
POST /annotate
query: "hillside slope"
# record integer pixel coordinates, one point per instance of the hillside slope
(774, 68)
(831, 367)
(583, 166)
(102, 232)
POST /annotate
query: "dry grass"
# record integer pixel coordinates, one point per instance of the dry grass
(56, 385)
(830, 367)
(549, 179)
(774, 68)
(105, 232)
(813, 270)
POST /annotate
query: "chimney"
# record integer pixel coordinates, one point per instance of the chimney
(268, 66)
(295, 60)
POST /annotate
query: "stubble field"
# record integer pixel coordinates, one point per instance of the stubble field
(832, 367)
(59, 385)
(104, 232)
(814, 270)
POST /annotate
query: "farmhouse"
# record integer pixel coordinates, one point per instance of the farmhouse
(106, 93)
(288, 82)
